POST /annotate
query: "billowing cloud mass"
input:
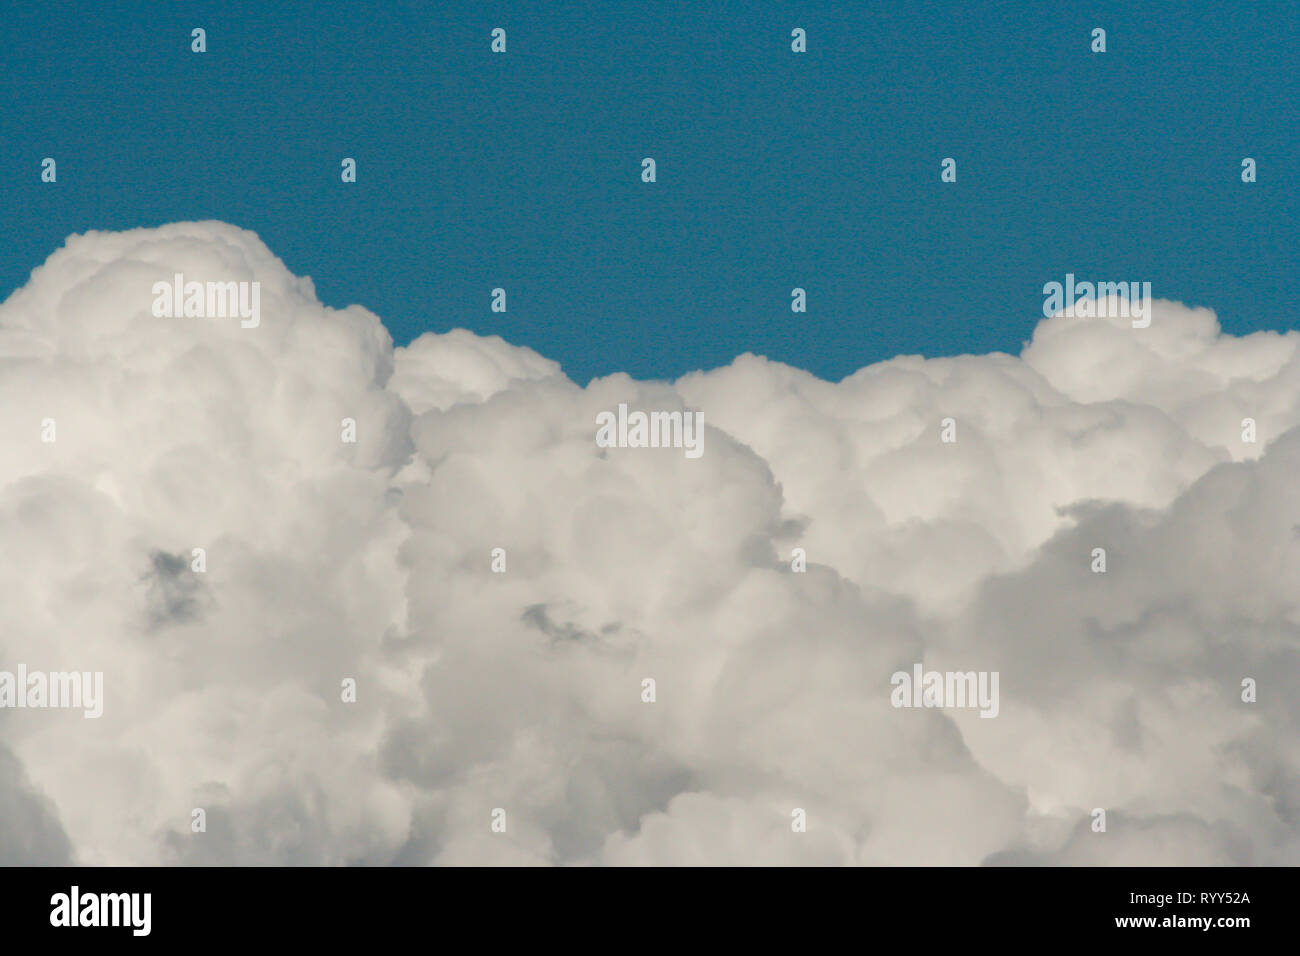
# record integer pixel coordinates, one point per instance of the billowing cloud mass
(327, 560)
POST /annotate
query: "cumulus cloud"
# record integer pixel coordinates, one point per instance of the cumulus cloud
(327, 560)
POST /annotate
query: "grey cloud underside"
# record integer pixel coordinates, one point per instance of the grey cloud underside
(30, 834)
(329, 560)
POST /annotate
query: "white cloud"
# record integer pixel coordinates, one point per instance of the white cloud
(328, 560)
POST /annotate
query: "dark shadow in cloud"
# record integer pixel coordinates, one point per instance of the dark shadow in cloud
(174, 594)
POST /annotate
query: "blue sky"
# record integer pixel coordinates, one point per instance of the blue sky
(775, 170)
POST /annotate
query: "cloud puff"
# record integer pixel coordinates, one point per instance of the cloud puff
(329, 560)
